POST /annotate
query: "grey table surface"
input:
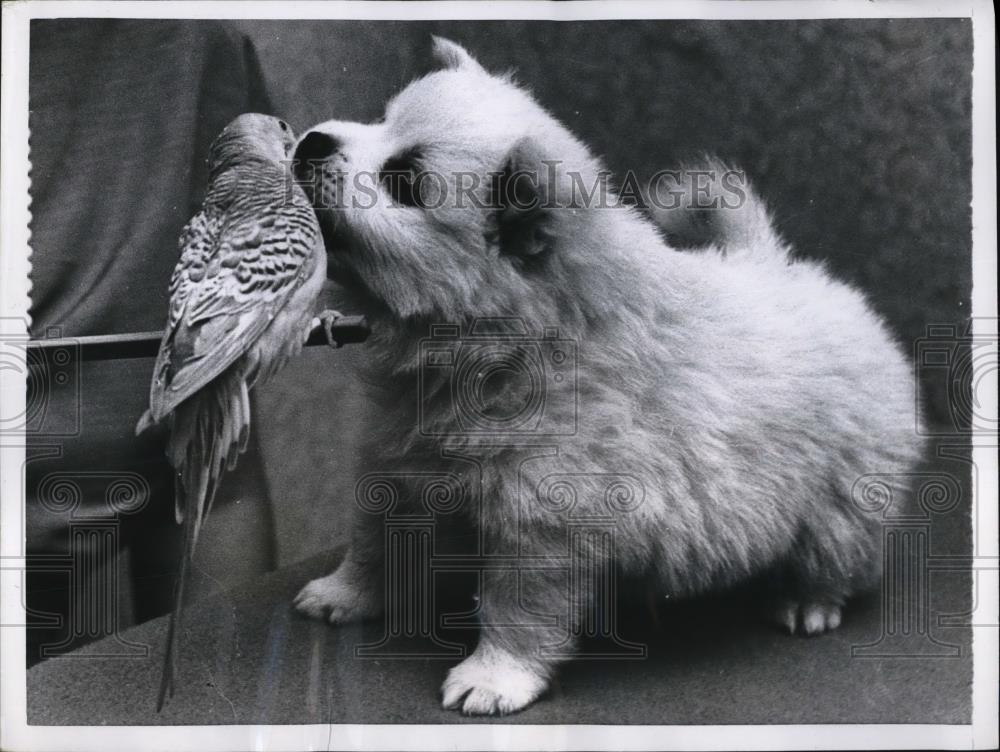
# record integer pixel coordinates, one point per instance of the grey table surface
(248, 658)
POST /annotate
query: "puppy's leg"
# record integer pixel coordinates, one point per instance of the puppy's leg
(354, 591)
(809, 589)
(809, 617)
(508, 670)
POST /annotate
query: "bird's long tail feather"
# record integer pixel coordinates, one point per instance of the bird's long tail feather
(208, 433)
(170, 659)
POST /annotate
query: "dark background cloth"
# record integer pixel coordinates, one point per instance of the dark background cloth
(122, 113)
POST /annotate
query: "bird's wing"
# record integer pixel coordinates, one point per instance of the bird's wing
(242, 257)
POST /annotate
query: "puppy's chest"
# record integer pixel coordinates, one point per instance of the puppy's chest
(501, 393)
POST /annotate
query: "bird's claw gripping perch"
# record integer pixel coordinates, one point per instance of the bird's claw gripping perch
(328, 320)
(335, 330)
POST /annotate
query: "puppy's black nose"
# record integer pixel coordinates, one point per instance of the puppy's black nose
(316, 147)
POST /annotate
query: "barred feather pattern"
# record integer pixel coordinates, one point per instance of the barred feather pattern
(244, 249)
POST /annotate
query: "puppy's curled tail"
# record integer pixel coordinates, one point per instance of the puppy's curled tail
(712, 204)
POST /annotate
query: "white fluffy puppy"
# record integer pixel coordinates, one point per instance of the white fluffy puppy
(742, 392)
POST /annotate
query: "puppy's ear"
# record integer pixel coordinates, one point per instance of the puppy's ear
(526, 199)
(453, 55)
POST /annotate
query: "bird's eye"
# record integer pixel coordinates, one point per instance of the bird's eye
(399, 178)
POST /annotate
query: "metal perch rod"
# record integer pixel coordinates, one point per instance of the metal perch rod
(347, 330)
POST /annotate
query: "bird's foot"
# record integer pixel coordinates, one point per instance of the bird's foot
(328, 320)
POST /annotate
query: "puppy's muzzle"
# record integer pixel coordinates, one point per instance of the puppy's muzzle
(310, 160)
(314, 169)
(315, 147)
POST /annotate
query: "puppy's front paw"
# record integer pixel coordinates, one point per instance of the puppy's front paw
(339, 599)
(805, 617)
(491, 683)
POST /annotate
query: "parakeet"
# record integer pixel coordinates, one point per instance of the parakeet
(242, 300)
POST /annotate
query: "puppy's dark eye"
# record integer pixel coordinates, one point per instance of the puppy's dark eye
(399, 177)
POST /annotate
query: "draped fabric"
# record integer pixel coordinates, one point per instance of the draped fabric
(122, 114)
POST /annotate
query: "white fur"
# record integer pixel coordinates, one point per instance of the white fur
(491, 682)
(745, 392)
(341, 597)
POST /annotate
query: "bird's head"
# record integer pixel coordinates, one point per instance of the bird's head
(251, 135)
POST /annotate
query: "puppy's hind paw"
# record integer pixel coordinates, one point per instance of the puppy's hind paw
(337, 600)
(805, 617)
(491, 683)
